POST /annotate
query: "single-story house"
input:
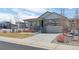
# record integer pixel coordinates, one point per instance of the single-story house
(20, 25)
(7, 25)
(49, 22)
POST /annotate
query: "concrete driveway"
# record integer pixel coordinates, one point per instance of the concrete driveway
(42, 38)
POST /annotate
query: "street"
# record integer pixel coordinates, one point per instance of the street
(12, 46)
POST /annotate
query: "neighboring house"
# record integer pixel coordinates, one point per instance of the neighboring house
(74, 24)
(7, 25)
(20, 25)
(48, 22)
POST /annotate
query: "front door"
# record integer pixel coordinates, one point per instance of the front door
(42, 26)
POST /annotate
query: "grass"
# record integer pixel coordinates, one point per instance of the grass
(16, 35)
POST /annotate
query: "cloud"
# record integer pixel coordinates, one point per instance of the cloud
(7, 17)
(28, 12)
(20, 13)
(37, 10)
(25, 16)
(25, 13)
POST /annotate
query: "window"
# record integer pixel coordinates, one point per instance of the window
(54, 23)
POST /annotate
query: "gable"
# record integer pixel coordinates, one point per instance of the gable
(49, 15)
(52, 16)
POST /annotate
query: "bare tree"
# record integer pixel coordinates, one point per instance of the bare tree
(16, 20)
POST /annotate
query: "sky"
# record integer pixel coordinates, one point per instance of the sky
(17, 14)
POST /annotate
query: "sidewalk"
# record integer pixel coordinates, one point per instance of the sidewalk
(41, 41)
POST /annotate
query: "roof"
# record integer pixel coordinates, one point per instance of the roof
(19, 22)
(50, 13)
(44, 15)
(32, 19)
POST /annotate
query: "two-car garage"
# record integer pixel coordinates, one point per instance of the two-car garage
(53, 29)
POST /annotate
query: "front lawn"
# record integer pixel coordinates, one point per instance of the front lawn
(16, 35)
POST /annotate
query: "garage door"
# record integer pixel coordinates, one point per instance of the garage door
(53, 29)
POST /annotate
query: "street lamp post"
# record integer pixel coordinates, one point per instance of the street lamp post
(10, 26)
(77, 21)
(62, 20)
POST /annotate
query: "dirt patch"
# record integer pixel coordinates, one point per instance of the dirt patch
(71, 41)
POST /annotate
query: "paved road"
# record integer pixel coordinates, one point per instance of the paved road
(11, 46)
